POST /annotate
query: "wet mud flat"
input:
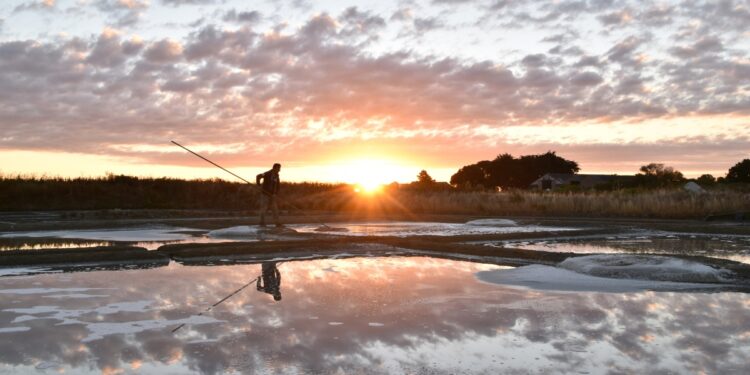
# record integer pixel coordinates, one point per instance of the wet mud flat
(498, 240)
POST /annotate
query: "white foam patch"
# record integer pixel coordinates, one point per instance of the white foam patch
(70, 316)
(14, 329)
(375, 324)
(542, 277)
(493, 222)
(99, 330)
(242, 231)
(646, 267)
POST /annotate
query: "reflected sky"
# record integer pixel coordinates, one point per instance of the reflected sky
(373, 315)
(148, 237)
(405, 229)
(152, 237)
(732, 247)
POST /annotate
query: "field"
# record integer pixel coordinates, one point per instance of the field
(124, 192)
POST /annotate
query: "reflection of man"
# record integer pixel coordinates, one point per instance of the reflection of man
(271, 279)
(270, 188)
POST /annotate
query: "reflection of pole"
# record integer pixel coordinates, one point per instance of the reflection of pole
(218, 303)
(225, 298)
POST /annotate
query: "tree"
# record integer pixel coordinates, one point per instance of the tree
(658, 175)
(424, 178)
(471, 175)
(740, 172)
(706, 180)
(505, 171)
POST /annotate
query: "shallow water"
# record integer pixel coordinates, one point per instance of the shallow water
(151, 237)
(407, 228)
(732, 247)
(360, 315)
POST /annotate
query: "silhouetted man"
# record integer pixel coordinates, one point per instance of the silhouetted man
(269, 188)
(271, 279)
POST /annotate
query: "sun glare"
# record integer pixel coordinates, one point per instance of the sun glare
(369, 176)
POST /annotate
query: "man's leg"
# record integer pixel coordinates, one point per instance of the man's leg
(263, 208)
(275, 210)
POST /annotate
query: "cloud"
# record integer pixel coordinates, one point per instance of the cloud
(109, 50)
(249, 17)
(616, 18)
(35, 5)
(586, 79)
(163, 51)
(122, 12)
(707, 44)
(328, 79)
(188, 2)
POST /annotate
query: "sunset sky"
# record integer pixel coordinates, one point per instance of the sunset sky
(336, 92)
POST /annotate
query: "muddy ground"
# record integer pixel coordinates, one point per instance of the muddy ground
(321, 243)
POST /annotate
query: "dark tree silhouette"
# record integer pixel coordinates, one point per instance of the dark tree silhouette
(424, 178)
(740, 172)
(706, 180)
(505, 171)
(470, 175)
(658, 175)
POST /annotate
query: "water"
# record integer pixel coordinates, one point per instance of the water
(408, 228)
(360, 315)
(151, 237)
(732, 247)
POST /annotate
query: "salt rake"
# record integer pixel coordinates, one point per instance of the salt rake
(323, 227)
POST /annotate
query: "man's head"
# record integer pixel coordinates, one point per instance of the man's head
(276, 167)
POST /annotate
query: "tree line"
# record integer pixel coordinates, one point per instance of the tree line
(508, 172)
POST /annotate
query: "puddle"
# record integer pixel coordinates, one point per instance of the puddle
(730, 247)
(147, 237)
(151, 237)
(361, 315)
(405, 229)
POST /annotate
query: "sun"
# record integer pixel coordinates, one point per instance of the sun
(368, 175)
(368, 187)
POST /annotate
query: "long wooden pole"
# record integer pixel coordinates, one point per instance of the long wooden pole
(235, 175)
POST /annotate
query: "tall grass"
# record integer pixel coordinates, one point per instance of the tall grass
(662, 203)
(124, 192)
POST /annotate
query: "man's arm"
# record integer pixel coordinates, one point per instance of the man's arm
(258, 178)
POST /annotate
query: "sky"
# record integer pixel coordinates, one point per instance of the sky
(343, 91)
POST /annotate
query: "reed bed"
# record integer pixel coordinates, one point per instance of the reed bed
(662, 203)
(124, 192)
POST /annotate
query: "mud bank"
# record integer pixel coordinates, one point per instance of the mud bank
(314, 246)
(100, 255)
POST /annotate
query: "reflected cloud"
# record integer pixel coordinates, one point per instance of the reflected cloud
(379, 315)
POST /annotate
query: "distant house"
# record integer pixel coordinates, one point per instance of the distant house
(584, 181)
